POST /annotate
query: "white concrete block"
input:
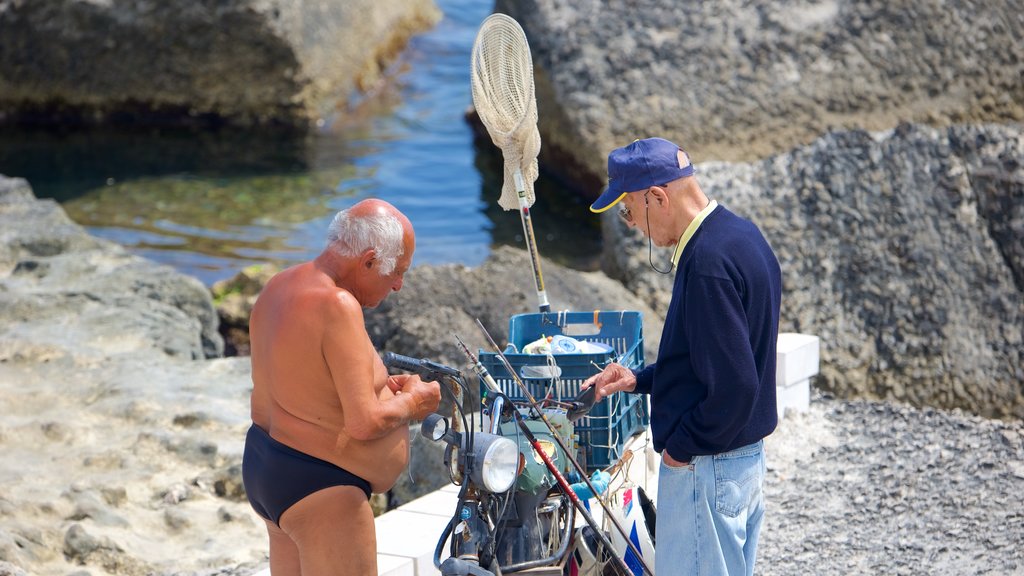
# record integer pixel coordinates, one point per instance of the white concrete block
(794, 397)
(411, 535)
(388, 565)
(440, 503)
(797, 358)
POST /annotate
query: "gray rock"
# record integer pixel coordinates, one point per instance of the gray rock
(92, 505)
(439, 301)
(226, 515)
(225, 482)
(738, 80)
(846, 493)
(176, 520)
(51, 268)
(114, 495)
(426, 472)
(22, 545)
(79, 544)
(8, 569)
(240, 60)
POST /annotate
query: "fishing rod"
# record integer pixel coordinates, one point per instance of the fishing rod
(579, 469)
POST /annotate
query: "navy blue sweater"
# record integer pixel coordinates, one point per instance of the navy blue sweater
(713, 385)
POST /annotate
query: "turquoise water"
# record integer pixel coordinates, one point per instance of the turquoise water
(212, 202)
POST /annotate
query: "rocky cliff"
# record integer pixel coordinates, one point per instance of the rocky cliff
(181, 61)
(738, 80)
(119, 440)
(100, 296)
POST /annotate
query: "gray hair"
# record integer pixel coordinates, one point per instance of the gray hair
(383, 233)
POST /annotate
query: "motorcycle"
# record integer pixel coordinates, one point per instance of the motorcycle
(522, 490)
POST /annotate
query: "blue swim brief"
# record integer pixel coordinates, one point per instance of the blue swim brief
(277, 476)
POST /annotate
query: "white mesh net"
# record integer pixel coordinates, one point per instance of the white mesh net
(502, 81)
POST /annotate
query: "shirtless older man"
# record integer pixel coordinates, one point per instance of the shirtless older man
(329, 424)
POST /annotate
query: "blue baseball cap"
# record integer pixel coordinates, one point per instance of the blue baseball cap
(640, 165)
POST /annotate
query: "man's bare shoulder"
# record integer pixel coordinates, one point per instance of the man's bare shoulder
(331, 303)
(340, 301)
(311, 291)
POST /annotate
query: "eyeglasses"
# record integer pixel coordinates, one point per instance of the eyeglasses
(626, 214)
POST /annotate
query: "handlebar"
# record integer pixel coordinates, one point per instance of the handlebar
(427, 369)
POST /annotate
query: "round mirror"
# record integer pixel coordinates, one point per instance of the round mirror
(434, 427)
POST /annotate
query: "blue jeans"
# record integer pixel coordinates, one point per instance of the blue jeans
(709, 514)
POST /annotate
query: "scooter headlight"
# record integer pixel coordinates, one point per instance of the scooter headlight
(497, 460)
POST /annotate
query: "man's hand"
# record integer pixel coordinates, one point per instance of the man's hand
(425, 395)
(394, 384)
(672, 462)
(614, 378)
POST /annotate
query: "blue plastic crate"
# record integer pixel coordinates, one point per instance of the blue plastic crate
(611, 422)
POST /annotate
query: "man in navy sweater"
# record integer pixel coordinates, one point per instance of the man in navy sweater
(713, 385)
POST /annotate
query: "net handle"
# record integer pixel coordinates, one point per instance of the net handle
(531, 243)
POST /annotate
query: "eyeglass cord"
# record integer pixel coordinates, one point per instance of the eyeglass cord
(650, 245)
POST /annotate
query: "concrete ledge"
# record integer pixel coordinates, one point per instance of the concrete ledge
(407, 535)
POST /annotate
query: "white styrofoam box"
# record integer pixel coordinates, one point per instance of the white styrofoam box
(797, 358)
(794, 397)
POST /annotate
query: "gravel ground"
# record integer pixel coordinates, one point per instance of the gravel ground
(877, 488)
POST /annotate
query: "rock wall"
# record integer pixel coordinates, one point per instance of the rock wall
(739, 80)
(900, 249)
(243, 61)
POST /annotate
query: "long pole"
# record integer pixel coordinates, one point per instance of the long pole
(583, 473)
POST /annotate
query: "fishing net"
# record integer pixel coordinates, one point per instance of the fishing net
(502, 82)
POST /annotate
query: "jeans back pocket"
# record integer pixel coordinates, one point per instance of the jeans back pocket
(739, 475)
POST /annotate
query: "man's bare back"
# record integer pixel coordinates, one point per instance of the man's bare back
(320, 388)
(296, 399)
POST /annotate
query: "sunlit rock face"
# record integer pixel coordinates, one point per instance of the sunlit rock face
(180, 61)
(740, 80)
